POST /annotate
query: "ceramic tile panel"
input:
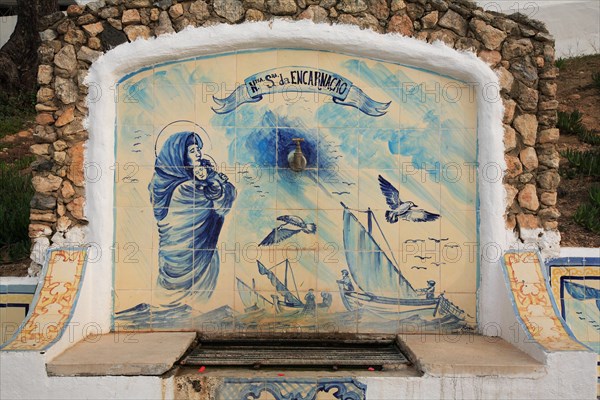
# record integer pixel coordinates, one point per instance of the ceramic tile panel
(230, 239)
(575, 284)
(54, 301)
(533, 302)
(291, 388)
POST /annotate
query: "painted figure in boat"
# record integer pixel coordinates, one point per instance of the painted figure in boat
(346, 281)
(429, 291)
(190, 201)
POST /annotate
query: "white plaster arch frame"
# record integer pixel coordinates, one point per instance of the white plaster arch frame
(95, 302)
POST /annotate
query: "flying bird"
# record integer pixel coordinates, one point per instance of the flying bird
(282, 233)
(438, 240)
(417, 267)
(402, 209)
(437, 264)
(340, 193)
(413, 240)
(451, 246)
(422, 258)
(348, 183)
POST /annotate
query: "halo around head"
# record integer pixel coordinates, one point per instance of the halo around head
(181, 125)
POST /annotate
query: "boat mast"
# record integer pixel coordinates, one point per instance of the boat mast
(294, 280)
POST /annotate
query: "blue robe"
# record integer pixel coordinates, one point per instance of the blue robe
(190, 215)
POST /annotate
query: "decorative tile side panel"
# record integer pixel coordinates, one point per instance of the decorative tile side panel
(575, 284)
(217, 232)
(54, 301)
(533, 302)
(292, 389)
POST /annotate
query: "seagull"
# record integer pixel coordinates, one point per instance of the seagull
(280, 233)
(451, 246)
(417, 267)
(340, 193)
(402, 209)
(437, 264)
(422, 258)
(413, 240)
(438, 240)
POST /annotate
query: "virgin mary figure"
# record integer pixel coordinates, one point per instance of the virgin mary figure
(190, 201)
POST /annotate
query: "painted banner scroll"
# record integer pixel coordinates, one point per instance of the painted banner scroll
(300, 79)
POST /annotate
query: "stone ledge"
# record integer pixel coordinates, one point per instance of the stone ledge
(123, 354)
(468, 355)
(432, 355)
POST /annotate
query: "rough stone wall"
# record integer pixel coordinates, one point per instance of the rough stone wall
(520, 50)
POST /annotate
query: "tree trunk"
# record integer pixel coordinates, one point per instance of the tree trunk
(18, 57)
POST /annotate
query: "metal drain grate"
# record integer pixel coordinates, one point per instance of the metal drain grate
(298, 354)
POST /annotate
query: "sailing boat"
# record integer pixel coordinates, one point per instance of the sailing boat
(373, 272)
(285, 300)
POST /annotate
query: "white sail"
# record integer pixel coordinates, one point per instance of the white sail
(369, 266)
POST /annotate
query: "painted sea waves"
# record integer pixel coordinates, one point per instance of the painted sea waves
(358, 242)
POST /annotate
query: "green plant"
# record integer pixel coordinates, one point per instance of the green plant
(588, 216)
(594, 193)
(570, 123)
(15, 112)
(567, 173)
(15, 196)
(596, 79)
(560, 63)
(590, 138)
(585, 163)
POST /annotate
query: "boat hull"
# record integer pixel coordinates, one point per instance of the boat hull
(398, 308)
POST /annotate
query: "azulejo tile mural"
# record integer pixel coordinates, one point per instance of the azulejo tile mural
(575, 283)
(217, 231)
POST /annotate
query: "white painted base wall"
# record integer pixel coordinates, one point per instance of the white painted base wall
(23, 376)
